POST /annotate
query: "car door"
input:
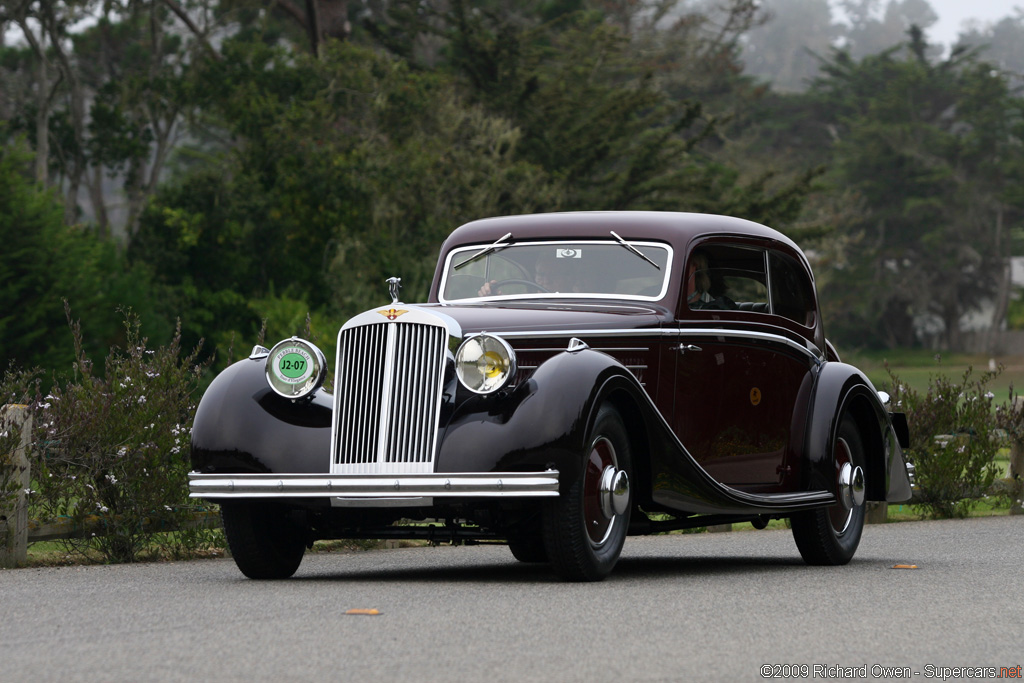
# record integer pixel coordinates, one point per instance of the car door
(742, 382)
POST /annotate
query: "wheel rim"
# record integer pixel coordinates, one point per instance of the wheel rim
(605, 492)
(850, 486)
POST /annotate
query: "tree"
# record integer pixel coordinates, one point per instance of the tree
(785, 49)
(44, 263)
(103, 99)
(609, 100)
(332, 174)
(869, 34)
(933, 150)
(1001, 44)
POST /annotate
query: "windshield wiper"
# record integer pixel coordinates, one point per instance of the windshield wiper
(486, 250)
(633, 249)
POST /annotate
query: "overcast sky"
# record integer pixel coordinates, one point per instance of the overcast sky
(952, 14)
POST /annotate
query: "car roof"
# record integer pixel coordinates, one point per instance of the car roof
(676, 228)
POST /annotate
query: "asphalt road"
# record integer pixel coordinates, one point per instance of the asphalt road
(708, 607)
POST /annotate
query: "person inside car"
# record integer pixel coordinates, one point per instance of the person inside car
(698, 285)
(552, 274)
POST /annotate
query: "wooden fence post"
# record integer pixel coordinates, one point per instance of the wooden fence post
(14, 520)
(1016, 477)
(1016, 433)
(877, 512)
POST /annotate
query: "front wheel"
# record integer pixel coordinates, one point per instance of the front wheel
(528, 549)
(585, 529)
(830, 536)
(265, 542)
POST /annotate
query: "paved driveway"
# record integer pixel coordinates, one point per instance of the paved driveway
(708, 607)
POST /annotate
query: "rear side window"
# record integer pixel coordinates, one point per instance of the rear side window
(792, 292)
(727, 278)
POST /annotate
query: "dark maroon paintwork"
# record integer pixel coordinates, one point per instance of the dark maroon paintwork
(742, 426)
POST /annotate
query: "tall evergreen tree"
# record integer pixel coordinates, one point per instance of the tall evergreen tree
(933, 151)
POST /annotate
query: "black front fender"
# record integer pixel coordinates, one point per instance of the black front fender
(541, 424)
(243, 426)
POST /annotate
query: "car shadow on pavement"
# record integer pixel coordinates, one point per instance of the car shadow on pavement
(633, 568)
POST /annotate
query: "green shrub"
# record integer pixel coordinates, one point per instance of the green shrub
(114, 449)
(952, 441)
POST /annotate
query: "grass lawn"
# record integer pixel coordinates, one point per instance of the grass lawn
(915, 367)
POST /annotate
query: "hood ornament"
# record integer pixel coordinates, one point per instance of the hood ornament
(394, 284)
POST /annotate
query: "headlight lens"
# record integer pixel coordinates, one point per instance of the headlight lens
(485, 364)
(295, 368)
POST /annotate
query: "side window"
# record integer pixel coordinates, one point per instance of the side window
(792, 292)
(726, 278)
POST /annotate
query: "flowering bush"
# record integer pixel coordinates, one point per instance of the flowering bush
(952, 442)
(113, 450)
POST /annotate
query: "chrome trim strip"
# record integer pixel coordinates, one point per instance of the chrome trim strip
(670, 333)
(375, 486)
(383, 418)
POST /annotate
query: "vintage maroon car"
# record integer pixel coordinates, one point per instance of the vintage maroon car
(572, 379)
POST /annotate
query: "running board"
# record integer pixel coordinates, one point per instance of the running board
(726, 500)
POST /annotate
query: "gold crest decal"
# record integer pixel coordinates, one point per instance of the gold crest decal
(393, 313)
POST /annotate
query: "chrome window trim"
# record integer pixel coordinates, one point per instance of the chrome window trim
(665, 283)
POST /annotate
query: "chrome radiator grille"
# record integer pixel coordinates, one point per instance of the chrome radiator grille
(387, 397)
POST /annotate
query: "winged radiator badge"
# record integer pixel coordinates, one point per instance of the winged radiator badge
(393, 313)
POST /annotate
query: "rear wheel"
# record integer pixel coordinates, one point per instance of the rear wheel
(265, 541)
(584, 530)
(830, 536)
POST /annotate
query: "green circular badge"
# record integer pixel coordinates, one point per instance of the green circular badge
(292, 365)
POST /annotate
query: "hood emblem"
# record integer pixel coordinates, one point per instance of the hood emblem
(394, 284)
(393, 313)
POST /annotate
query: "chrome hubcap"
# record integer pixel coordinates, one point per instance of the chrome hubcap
(851, 486)
(605, 492)
(614, 491)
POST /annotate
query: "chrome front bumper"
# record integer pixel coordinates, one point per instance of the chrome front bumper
(370, 487)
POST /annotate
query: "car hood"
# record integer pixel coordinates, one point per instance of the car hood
(552, 316)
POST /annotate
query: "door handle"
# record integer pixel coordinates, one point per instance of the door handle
(683, 348)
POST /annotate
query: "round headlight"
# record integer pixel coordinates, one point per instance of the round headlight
(485, 364)
(295, 368)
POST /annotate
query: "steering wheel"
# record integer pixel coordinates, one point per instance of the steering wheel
(528, 283)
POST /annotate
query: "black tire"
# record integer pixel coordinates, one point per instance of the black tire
(583, 542)
(265, 542)
(830, 536)
(529, 549)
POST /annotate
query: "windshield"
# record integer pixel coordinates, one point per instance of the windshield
(577, 269)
